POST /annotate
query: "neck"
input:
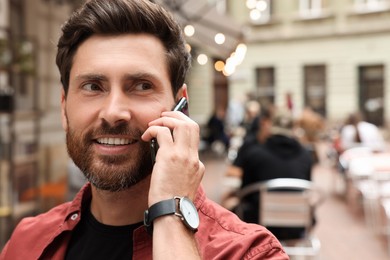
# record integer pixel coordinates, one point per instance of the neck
(121, 208)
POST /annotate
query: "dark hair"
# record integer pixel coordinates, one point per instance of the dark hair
(116, 17)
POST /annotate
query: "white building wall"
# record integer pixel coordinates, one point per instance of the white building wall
(43, 25)
(342, 56)
(201, 91)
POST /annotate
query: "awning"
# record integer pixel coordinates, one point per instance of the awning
(207, 22)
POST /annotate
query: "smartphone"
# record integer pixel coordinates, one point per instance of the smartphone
(181, 105)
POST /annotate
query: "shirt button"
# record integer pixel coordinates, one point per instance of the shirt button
(74, 216)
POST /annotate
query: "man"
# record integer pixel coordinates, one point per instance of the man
(279, 156)
(123, 65)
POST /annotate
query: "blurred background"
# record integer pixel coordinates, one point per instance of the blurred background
(320, 59)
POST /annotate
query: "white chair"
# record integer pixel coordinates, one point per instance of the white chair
(369, 193)
(288, 202)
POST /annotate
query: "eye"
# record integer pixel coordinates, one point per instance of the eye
(91, 87)
(143, 86)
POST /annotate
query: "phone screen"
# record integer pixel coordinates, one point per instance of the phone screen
(181, 105)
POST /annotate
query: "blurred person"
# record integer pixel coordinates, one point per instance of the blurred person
(358, 132)
(251, 124)
(252, 111)
(248, 130)
(280, 156)
(216, 131)
(123, 65)
(260, 130)
(310, 125)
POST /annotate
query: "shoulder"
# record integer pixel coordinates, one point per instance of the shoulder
(247, 152)
(256, 149)
(366, 126)
(46, 222)
(53, 216)
(222, 235)
(34, 232)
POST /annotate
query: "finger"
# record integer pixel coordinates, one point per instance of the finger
(156, 132)
(185, 133)
(171, 114)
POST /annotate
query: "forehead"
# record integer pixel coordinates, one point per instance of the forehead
(130, 52)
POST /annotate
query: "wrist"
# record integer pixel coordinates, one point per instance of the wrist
(180, 207)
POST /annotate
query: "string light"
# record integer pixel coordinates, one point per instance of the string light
(189, 30)
(259, 9)
(235, 59)
(219, 65)
(188, 47)
(202, 59)
(261, 5)
(219, 38)
(251, 4)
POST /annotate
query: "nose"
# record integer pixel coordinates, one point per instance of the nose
(116, 108)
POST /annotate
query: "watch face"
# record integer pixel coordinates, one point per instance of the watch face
(189, 212)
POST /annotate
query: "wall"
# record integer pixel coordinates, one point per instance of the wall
(341, 39)
(201, 92)
(43, 21)
(341, 56)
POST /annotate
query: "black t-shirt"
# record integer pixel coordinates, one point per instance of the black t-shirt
(94, 240)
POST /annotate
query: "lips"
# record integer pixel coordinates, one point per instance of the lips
(115, 141)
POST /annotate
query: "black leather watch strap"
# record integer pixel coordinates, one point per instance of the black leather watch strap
(162, 208)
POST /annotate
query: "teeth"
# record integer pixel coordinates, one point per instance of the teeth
(113, 141)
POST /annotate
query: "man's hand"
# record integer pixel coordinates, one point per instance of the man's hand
(177, 170)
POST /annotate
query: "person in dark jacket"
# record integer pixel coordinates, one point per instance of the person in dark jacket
(280, 156)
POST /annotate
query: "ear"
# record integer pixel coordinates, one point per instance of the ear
(63, 111)
(182, 93)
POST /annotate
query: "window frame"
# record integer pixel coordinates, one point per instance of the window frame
(311, 8)
(367, 6)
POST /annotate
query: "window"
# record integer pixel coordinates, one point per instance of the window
(371, 93)
(265, 86)
(259, 10)
(311, 8)
(371, 5)
(315, 88)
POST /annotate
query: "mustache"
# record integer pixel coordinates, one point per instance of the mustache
(119, 129)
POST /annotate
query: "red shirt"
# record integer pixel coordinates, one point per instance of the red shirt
(221, 234)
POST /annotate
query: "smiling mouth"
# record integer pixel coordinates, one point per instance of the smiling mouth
(115, 141)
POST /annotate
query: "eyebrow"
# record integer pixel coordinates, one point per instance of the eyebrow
(91, 76)
(127, 76)
(141, 75)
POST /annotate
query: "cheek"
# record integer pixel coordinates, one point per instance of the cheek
(80, 117)
(147, 113)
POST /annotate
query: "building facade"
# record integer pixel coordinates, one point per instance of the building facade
(332, 56)
(33, 156)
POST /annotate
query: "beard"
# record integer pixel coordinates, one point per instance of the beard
(110, 172)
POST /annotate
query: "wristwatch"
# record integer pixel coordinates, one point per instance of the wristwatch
(178, 206)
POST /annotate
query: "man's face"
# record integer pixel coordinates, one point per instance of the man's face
(118, 84)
